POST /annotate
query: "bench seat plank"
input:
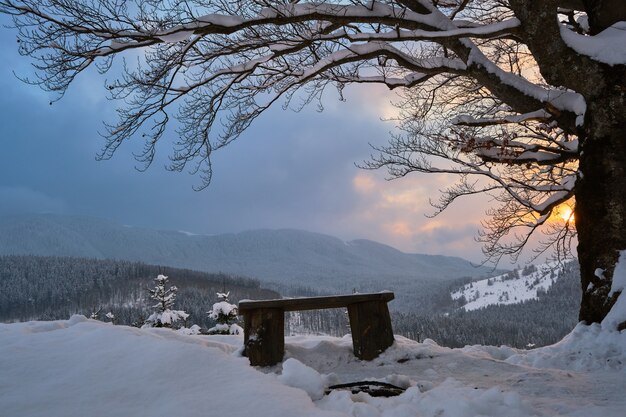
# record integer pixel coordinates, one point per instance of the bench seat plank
(315, 303)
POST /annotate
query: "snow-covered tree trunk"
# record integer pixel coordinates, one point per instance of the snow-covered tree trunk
(600, 192)
(601, 199)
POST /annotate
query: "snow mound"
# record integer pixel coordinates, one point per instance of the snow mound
(436, 402)
(81, 367)
(586, 348)
(298, 375)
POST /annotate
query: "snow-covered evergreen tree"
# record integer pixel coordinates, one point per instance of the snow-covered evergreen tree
(164, 316)
(110, 316)
(225, 314)
(95, 313)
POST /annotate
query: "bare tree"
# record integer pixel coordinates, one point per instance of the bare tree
(514, 96)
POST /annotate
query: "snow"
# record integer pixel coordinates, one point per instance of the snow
(221, 20)
(619, 275)
(559, 98)
(518, 118)
(81, 367)
(229, 328)
(504, 290)
(586, 348)
(298, 375)
(223, 307)
(195, 329)
(608, 46)
(617, 314)
(167, 317)
(177, 36)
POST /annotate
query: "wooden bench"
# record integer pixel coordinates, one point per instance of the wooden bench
(264, 324)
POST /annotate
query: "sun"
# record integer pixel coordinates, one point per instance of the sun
(566, 214)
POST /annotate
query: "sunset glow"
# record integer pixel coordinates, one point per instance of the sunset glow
(565, 213)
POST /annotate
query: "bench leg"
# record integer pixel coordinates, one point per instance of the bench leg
(264, 336)
(370, 324)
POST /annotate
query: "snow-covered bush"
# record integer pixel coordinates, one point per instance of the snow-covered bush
(164, 316)
(110, 316)
(95, 314)
(193, 330)
(225, 314)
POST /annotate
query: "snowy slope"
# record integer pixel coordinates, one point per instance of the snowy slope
(82, 367)
(510, 288)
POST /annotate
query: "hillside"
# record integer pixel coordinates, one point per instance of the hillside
(49, 288)
(542, 307)
(289, 258)
(511, 288)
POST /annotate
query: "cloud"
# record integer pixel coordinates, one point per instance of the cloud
(458, 236)
(395, 212)
(15, 200)
(363, 183)
(372, 101)
(399, 229)
(288, 169)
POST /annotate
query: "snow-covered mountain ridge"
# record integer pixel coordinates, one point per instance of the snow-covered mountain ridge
(287, 257)
(510, 288)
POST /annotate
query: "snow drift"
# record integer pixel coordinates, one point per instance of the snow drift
(85, 367)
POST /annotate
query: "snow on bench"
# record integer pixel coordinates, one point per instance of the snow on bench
(264, 321)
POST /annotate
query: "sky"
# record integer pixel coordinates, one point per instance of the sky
(289, 170)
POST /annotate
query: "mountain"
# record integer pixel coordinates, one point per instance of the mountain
(511, 288)
(289, 258)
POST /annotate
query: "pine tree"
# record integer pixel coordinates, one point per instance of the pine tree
(164, 316)
(225, 314)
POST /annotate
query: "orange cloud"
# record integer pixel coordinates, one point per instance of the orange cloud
(363, 183)
(399, 229)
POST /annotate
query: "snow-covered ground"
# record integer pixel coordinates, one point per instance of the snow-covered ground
(82, 367)
(504, 289)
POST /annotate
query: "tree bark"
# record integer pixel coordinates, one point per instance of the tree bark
(601, 196)
(604, 13)
(600, 192)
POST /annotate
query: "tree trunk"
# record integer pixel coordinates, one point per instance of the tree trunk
(601, 196)
(604, 13)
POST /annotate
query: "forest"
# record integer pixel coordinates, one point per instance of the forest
(51, 288)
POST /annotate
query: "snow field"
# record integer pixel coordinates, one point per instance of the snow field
(83, 367)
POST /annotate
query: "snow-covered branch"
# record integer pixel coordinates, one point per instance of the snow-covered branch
(465, 67)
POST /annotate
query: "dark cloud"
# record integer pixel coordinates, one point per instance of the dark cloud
(289, 170)
(17, 200)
